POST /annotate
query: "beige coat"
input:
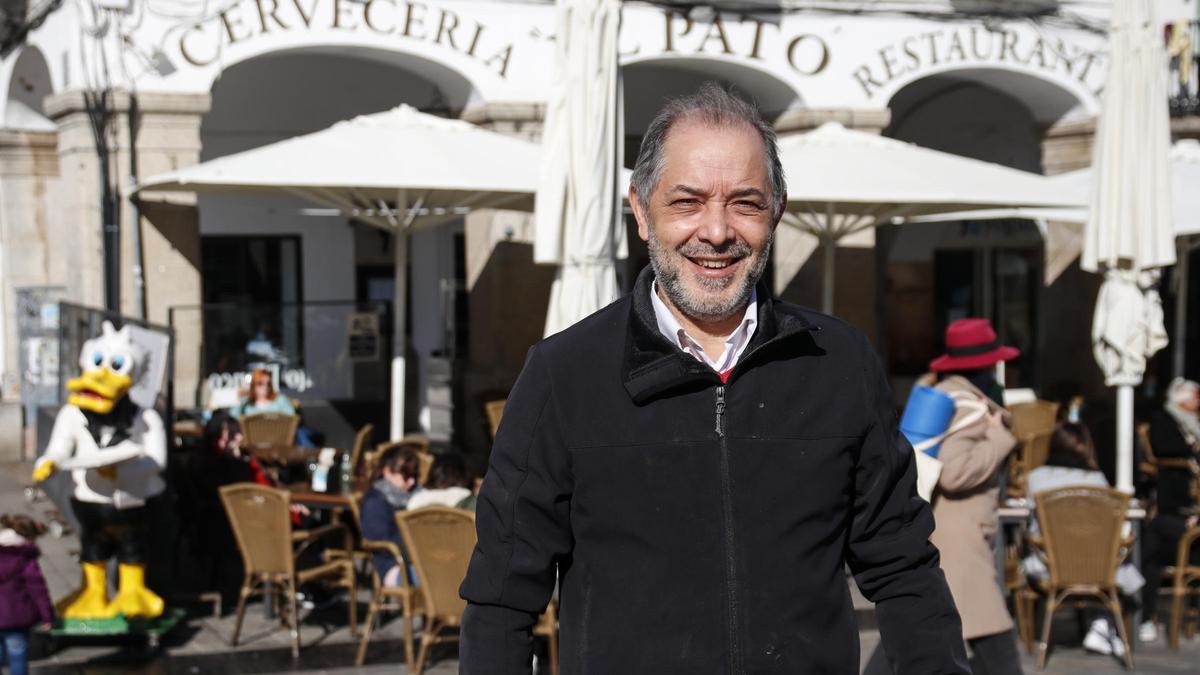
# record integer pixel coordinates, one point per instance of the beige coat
(964, 508)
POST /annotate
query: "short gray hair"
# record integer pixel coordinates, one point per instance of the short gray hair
(711, 104)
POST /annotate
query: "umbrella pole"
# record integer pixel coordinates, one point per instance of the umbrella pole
(828, 243)
(399, 310)
(1125, 438)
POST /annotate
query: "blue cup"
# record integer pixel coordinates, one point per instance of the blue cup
(927, 414)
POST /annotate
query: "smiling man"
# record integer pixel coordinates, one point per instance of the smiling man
(697, 463)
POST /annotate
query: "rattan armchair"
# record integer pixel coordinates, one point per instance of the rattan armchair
(361, 441)
(418, 443)
(404, 597)
(1185, 577)
(1083, 545)
(270, 429)
(263, 528)
(1032, 425)
(440, 541)
(494, 411)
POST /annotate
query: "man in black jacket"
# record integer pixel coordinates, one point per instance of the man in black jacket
(697, 463)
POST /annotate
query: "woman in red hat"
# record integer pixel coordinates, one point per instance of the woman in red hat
(967, 493)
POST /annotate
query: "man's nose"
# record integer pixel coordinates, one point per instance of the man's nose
(714, 228)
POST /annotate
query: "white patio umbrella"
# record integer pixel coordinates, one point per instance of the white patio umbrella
(842, 181)
(1129, 224)
(579, 224)
(398, 170)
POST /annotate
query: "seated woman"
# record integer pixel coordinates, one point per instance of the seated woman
(262, 398)
(1072, 462)
(1174, 434)
(392, 486)
(448, 484)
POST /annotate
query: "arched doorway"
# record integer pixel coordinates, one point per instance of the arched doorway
(932, 274)
(286, 278)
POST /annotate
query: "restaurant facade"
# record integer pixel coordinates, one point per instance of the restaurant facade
(247, 278)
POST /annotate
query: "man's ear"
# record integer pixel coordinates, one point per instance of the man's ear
(638, 215)
(782, 210)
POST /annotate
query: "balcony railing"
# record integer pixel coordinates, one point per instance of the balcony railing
(1183, 87)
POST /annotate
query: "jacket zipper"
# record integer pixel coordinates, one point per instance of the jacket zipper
(731, 628)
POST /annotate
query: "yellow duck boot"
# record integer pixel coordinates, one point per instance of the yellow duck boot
(133, 599)
(92, 600)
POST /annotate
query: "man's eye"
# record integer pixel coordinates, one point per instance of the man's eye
(685, 202)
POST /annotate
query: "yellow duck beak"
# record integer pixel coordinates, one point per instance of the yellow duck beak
(98, 390)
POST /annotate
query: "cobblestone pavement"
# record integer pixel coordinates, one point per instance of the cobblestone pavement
(202, 645)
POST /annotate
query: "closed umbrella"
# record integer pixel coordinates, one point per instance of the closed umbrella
(578, 218)
(1129, 230)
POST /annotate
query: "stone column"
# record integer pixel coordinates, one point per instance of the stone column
(508, 293)
(30, 234)
(167, 138)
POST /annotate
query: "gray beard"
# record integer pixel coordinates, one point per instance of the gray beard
(670, 281)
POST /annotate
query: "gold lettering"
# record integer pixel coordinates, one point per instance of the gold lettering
(338, 11)
(956, 47)
(370, 22)
(187, 53)
(887, 57)
(754, 49)
(1039, 54)
(447, 29)
(668, 15)
(866, 80)
(475, 39)
(1009, 46)
(981, 56)
(719, 30)
(821, 62)
(909, 46)
(502, 58)
(412, 19)
(263, 15)
(307, 17)
(231, 23)
(931, 38)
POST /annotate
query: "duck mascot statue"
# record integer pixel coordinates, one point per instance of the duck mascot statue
(115, 452)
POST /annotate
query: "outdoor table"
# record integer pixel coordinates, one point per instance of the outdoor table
(335, 501)
(1017, 512)
(284, 454)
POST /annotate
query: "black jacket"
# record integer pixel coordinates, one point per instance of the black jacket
(701, 527)
(1173, 492)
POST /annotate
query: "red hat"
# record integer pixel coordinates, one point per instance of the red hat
(972, 344)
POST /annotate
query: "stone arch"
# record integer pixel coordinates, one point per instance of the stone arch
(29, 83)
(1048, 100)
(650, 81)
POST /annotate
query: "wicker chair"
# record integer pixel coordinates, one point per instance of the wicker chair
(1185, 577)
(403, 598)
(361, 440)
(1031, 422)
(494, 411)
(263, 529)
(440, 541)
(1081, 540)
(270, 429)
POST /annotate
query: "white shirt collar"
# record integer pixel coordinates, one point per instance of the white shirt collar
(735, 343)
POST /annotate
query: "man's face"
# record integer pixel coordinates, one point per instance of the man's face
(708, 222)
(1192, 403)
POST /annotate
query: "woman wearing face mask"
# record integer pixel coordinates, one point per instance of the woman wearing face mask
(967, 492)
(1174, 434)
(392, 485)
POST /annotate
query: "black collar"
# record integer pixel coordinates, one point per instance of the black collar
(655, 366)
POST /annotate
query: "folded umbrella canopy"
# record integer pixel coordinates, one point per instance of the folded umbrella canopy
(1129, 229)
(842, 181)
(579, 222)
(398, 170)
